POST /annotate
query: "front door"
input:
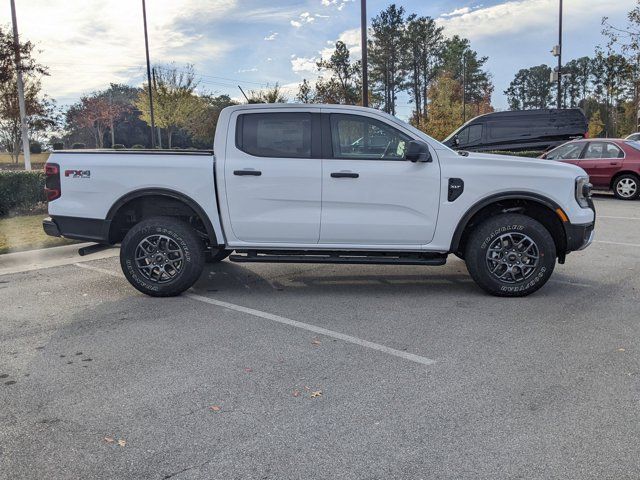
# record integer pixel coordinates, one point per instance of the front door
(273, 178)
(371, 195)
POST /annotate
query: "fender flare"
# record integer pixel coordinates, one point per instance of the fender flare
(165, 192)
(464, 221)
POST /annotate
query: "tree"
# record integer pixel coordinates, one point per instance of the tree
(269, 95)
(305, 92)
(173, 99)
(40, 110)
(386, 46)
(345, 82)
(446, 107)
(596, 125)
(530, 89)
(92, 113)
(424, 43)
(201, 126)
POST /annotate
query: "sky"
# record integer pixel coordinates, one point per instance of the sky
(89, 43)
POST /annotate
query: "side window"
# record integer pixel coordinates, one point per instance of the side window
(596, 150)
(359, 137)
(276, 135)
(475, 134)
(463, 136)
(613, 151)
(570, 151)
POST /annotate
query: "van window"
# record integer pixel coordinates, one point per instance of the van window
(276, 135)
(470, 135)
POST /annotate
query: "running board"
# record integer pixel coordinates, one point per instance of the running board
(353, 258)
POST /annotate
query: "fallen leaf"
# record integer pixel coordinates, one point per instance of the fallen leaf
(215, 408)
(316, 394)
(296, 393)
(122, 442)
(315, 342)
(109, 439)
(621, 349)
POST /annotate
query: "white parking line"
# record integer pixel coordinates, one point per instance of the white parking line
(618, 243)
(292, 323)
(618, 218)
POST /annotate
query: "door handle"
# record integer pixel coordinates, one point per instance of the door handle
(344, 175)
(245, 173)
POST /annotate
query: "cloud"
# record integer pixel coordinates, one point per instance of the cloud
(304, 18)
(339, 4)
(247, 70)
(86, 46)
(271, 37)
(456, 12)
(520, 16)
(304, 65)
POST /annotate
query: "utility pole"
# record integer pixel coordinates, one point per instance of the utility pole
(146, 44)
(560, 58)
(464, 87)
(365, 66)
(24, 130)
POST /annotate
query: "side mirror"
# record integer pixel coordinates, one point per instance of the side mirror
(418, 152)
(456, 140)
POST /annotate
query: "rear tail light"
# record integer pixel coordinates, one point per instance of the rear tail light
(52, 181)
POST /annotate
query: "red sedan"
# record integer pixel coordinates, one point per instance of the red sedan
(612, 164)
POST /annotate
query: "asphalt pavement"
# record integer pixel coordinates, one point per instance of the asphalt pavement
(325, 371)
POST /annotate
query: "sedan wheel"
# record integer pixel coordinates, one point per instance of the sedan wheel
(626, 187)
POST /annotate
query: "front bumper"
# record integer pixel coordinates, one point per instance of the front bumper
(579, 237)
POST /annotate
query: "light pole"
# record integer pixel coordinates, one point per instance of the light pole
(560, 58)
(464, 87)
(146, 44)
(365, 66)
(24, 130)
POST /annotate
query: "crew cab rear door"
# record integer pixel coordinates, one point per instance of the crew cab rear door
(372, 195)
(273, 177)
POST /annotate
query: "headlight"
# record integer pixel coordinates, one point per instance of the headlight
(583, 191)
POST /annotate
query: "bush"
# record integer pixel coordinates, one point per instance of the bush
(118, 146)
(35, 148)
(78, 146)
(58, 146)
(20, 190)
(137, 146)
(530, 154)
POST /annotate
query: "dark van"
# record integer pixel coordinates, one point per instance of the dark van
(520, 130)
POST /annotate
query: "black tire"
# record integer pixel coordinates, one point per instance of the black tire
(216, 255)
(175, 248)
(509, 244)
(626, 187)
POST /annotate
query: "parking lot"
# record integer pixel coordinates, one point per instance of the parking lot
(326, 371)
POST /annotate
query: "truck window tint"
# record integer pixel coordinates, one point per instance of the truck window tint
(597, 150)
(360, 137)
(278, 135)
(570, 151)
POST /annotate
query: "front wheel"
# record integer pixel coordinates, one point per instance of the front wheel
(510, 255)
(626, 187)
(162, 256)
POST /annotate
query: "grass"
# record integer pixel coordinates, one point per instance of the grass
(37, 161)
(25, 233)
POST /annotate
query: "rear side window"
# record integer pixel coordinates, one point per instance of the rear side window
(276, 135)
(597, 150)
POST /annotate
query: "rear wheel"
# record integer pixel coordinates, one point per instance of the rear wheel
(162, 256)
(510, 255)
(626, 187)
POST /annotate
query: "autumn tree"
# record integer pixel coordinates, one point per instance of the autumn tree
(201, 126)
(173, 91)
(40, 110)
(445, 108)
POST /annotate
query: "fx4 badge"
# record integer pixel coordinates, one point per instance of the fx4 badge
(77, 173)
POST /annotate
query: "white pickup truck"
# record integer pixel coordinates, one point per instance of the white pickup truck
(321, 184)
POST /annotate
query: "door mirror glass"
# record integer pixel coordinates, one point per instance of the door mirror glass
(418, 152)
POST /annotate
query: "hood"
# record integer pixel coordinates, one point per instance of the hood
(495, 160)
